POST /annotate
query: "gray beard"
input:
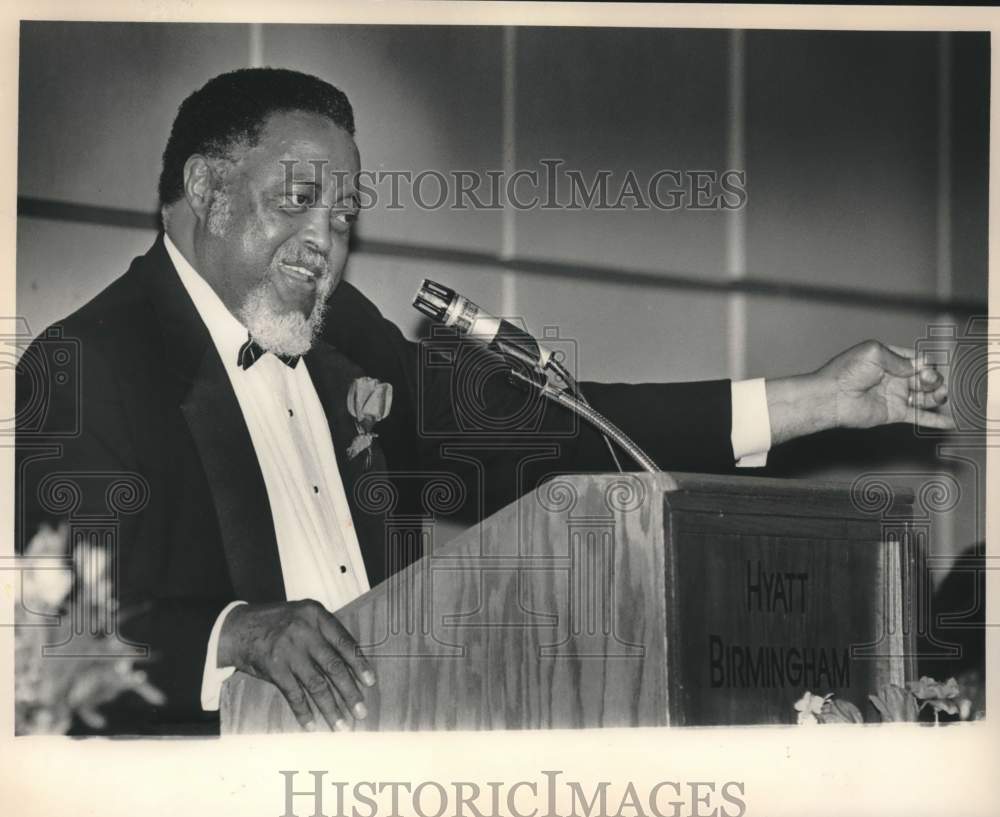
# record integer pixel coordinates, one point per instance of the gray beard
(283, 333)
(288, 333)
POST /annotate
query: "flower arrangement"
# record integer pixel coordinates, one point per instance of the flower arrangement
(53, 685)
(893, 704)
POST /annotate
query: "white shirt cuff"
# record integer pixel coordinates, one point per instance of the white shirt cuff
(751, 432)
(215, 676)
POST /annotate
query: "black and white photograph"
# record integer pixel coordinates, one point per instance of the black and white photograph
(451, 377)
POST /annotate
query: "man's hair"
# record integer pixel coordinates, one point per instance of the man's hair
(231, 109)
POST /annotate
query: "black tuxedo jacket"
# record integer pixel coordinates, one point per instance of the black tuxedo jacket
(140, 438)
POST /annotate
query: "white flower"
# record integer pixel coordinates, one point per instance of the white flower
(46, 583)
(809, 707)
(91, 564)
(48, 541)
(51, 690)
(45, 588)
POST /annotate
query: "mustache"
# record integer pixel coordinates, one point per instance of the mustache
(301, 257)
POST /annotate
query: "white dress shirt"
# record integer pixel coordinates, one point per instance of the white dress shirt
(317, 545)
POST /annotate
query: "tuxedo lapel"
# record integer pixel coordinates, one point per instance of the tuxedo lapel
(332, 375)
(240, 497)
(205, 396)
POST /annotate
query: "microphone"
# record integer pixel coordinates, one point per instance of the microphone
(443, 305)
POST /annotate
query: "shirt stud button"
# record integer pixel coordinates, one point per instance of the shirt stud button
(291, 413)
(315, 489)
(343, 568)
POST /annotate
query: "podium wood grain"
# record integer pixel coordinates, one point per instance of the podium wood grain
(619, 600)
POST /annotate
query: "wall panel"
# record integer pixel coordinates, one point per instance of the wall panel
(841, 147)
(97, 101)
(630, 333)
(61, 266)
(786, 335)
(623, 100)
(426, 98)
(970, 56)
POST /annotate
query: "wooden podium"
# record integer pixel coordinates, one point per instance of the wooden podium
(634, 600)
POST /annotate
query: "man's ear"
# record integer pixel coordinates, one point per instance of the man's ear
(199, 184)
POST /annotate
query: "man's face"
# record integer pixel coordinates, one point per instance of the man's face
(275, 242)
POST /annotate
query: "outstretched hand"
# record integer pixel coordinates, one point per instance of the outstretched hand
(877, 384)
(868, 385)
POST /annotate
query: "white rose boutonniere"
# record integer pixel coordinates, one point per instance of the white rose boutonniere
(368, 402)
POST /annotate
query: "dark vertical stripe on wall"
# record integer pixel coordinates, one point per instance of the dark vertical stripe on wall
(970, 144)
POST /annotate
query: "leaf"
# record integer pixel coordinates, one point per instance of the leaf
(895, 704)
(360, 443)
(883, 710)
(90, 716)
(838, 711)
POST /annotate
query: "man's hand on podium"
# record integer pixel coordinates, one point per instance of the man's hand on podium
(868, 385)
(304, 651)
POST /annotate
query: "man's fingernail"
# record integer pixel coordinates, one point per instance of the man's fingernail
(360, 710)
(310, 727)
(368, 678)
(340, 725)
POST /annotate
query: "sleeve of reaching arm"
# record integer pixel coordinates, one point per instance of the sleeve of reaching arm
(682, 426)
(456, 395)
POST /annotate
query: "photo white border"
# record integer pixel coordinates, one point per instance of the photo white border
(886, 770)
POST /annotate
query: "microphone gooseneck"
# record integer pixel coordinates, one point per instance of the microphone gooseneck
(445, 306)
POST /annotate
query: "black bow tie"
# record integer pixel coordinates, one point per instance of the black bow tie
(251, 352)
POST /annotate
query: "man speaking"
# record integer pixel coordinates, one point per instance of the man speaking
(223, 369)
